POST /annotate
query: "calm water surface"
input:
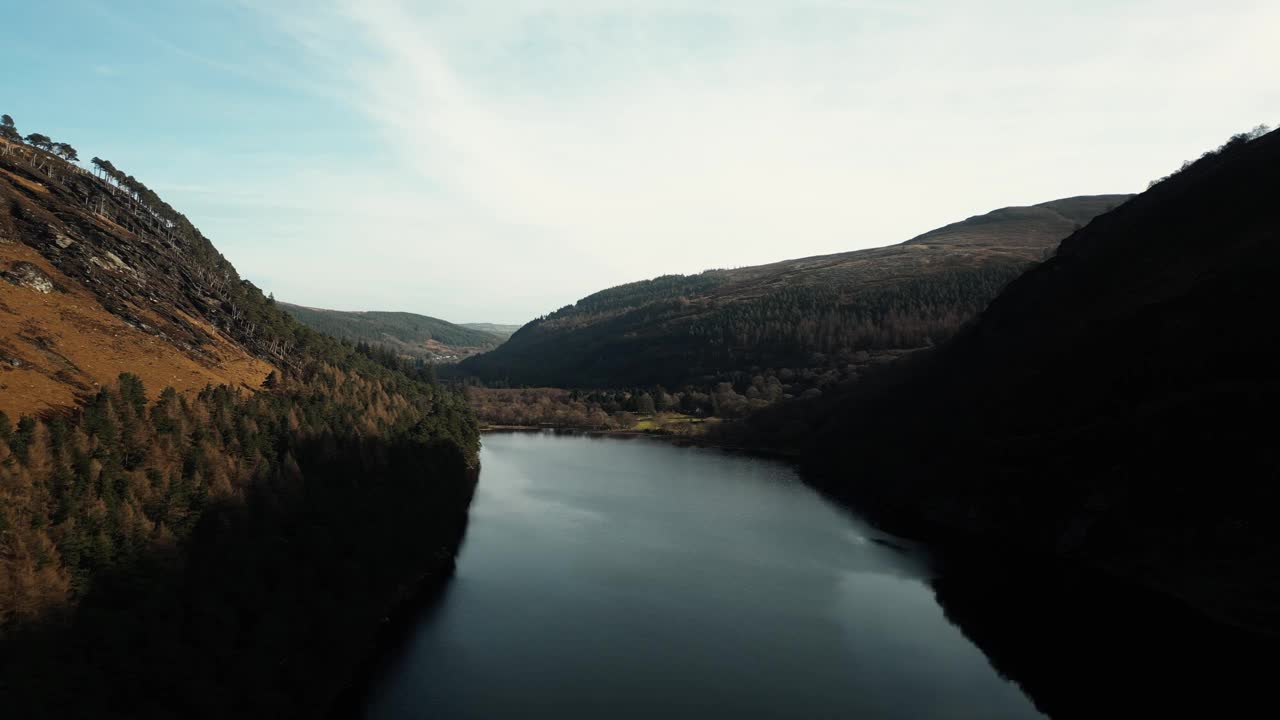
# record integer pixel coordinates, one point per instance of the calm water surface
(605, 577)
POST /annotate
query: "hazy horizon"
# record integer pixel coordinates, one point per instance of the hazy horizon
(492, 161)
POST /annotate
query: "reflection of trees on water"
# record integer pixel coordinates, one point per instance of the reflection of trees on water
(1082, 646)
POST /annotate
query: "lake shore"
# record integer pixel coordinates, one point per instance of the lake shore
(682, 439)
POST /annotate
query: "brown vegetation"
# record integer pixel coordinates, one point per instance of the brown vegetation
(102, 303)
(59, 347)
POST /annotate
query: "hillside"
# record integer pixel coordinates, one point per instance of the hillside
(418, 336)
(1111, 405)
(833, 313)
(83, 297)
(196, 491)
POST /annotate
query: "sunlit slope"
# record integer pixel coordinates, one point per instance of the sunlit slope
(83, 298)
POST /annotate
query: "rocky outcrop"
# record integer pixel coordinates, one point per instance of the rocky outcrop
(91, 286)
(25, 274)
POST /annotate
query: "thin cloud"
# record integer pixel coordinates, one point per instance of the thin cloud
(573, 145)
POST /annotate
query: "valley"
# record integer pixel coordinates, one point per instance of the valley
(1020, 465)
(414, 336)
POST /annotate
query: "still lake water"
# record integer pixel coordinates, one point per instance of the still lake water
(606, 577)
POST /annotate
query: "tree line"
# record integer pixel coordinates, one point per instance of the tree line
(9, 132)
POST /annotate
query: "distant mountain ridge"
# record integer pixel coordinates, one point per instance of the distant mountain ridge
(830, 312)
(407, 333)
(498, 330)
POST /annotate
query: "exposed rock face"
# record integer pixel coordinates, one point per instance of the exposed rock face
(24, 274)
(92, 286)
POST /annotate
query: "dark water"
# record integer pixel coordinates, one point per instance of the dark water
(631, 578)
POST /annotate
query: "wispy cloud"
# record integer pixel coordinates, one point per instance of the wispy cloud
(546, 149)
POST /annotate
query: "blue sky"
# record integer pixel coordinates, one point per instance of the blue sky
(492, 160)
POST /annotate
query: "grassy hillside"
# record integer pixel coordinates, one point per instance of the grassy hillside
(93, 284)
(406, 333)
(835, 313)
(1111, 404)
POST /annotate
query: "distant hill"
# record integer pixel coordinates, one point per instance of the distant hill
(406, 333)
(1113, 404)
(835, 313)
(500, 331)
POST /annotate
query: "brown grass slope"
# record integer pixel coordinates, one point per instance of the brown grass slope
(83, 299)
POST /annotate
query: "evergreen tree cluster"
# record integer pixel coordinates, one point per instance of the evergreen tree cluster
(791, 324)
(632, 295)
(700, 342)
(330, 480)
(9, 131)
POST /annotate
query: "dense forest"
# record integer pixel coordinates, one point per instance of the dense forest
(656, 410)
(226, 552)
(264, 533)
(1109, 405)
(618, 409)
(818, 314)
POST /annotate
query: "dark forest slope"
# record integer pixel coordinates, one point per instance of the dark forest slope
(1114, 404)
(830, 311)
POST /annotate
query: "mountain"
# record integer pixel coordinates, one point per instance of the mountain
(197, 493)
(502, 332)
(1112, 405)
(835, 313)
(83, 297)
(405, 333)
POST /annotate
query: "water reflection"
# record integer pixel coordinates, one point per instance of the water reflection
(637, 579)
(1084, 646)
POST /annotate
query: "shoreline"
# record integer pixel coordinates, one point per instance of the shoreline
(689, 440)
(392, 633)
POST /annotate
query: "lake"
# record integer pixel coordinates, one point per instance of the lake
(607, 577)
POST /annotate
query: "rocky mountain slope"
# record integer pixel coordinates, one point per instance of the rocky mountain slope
(832, 312)
(94, 283)
(409, 334)
(502, 332)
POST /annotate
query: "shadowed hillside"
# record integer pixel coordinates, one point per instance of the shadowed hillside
(833, 312)
(1111, 405)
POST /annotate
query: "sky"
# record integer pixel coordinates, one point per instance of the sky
(493, 160)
